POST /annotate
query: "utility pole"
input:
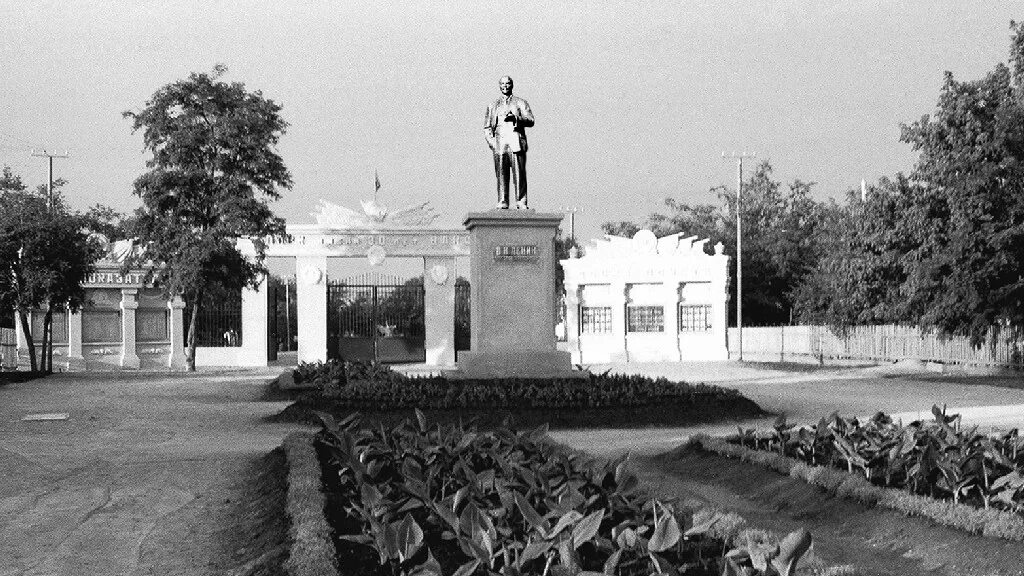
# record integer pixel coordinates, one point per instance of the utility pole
(571, 211)
(739, 157)
(49, 172)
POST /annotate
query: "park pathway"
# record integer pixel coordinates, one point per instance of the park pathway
(145, 477)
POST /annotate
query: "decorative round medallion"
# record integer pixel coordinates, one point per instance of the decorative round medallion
(439, 274)
(645, 242)
(375, 255)
(310, 274)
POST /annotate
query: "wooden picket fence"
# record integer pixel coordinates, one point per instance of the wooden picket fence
(8, 349)
(883, 343)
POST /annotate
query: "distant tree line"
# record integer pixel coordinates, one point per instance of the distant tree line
(941, 247)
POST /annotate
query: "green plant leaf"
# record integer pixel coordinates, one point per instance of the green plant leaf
(666, 533)
(421, 419)
(530, 514)
(568, 519)
(586, 528)
(409, 537)
(430, 567)
(467, 569)
(533, 550)
(612, 563)
(791, 549)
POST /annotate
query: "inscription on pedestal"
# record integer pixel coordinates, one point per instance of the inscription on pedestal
(516, 253)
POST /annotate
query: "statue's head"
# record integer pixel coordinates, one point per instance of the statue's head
(505, 84)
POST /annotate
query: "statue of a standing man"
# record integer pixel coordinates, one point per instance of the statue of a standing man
(505, 131)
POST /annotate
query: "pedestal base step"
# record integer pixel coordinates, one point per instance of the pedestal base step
(515, 364)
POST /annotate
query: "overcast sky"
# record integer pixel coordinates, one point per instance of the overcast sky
(634, 101)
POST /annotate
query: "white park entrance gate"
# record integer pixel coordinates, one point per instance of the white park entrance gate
(368, 319)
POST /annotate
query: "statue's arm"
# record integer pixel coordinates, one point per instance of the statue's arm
(525, 118)
(489, 128)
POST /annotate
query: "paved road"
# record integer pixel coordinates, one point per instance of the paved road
(139, 453)
(806, 393)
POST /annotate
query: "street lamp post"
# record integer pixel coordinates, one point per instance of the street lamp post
(739, 157)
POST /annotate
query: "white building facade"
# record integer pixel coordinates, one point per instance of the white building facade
(646, 299)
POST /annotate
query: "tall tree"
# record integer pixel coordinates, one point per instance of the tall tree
(965, 273)
(46, 253)
(780, 228)
(860, 269)
(213, 171)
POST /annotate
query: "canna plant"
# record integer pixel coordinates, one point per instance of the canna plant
(449, 500)
(937, 457)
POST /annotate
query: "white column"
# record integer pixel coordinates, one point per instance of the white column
(76, 361)
(572, 322)
(22, 349)
(176, 360)
(439, 310)
(129, 303)
(311, 302)
(719, 301)
(254, 325)
(670, 300)
(618, 304)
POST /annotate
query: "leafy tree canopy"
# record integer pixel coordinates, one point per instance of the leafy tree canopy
(213, 171)
(46, 253)
(780, 230)
(966, 211)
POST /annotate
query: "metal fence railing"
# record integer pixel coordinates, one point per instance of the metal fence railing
(219, 324)
(887, 343)
(8, 349)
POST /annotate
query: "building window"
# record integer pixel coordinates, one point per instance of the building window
(595, 319)
(694, 318)
(645, 319)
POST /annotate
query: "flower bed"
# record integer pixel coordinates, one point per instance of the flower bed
(936, 469)
(601, 400)
(454, 501)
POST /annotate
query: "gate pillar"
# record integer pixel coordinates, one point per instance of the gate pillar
(311, 302)
(439, 310)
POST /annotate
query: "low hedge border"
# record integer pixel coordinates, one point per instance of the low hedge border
(312, 550)
(992, 523)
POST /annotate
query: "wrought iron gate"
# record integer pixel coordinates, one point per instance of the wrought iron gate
(382, 322)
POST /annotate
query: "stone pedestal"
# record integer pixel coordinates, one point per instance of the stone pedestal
(512, 283)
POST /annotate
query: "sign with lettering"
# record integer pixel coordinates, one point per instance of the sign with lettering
(397, 243)
(516, 253)
(130, 279)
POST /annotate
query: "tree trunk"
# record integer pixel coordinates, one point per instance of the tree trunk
(47, 360)
(190, 352)
(23, 317)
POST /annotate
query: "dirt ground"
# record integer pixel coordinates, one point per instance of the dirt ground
(151, 474)
(877, 541)
(174, 474)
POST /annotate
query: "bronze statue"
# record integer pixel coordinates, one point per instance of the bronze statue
(505, 126)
